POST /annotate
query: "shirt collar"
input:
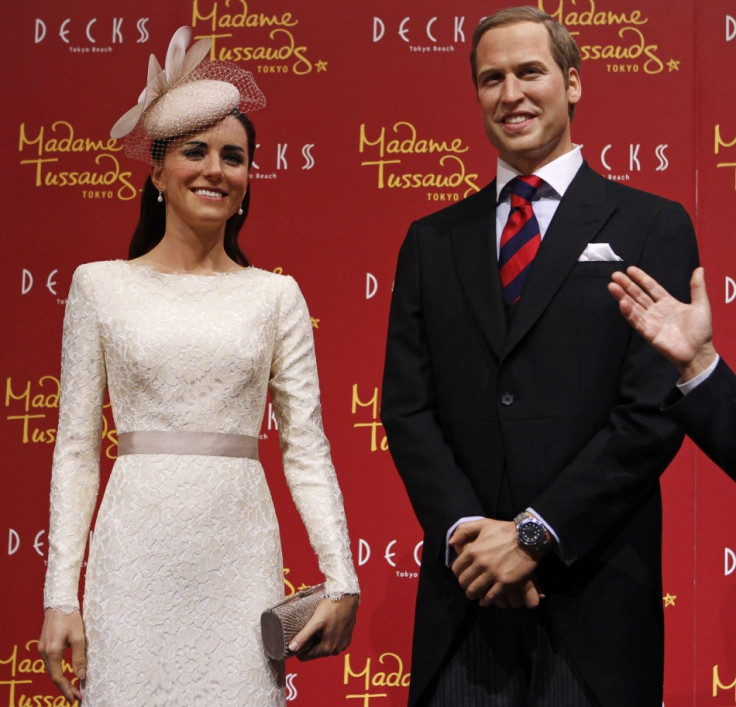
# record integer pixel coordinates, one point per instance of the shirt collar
(556, 174)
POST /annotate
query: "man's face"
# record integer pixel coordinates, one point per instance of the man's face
(522, 95)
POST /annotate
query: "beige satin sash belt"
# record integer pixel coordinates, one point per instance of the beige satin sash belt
(215, 444)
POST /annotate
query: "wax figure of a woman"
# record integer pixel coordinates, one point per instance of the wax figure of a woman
(188, 339)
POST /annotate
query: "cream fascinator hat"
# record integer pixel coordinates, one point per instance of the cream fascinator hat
(188, 95)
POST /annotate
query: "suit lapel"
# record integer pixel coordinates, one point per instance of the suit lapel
(473, 247)
(581, 214)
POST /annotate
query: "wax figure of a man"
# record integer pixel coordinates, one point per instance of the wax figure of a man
(704, 401)
(534, 403)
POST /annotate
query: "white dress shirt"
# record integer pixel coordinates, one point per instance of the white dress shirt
(686, 386)
(557, 176)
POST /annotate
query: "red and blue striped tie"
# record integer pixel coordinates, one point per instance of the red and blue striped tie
(520, 238)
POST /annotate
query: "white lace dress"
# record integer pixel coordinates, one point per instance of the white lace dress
(186, 551)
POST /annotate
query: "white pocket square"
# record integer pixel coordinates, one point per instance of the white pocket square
(598, 251)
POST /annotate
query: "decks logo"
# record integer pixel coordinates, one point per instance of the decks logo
(36, 542)
(422, 35)
(272, 161)
(730, 290)
(48, 281)
(91, 35)
(730, 28)
(396, 554)
(620, 161)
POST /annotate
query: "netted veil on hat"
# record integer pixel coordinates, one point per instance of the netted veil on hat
(188, 95)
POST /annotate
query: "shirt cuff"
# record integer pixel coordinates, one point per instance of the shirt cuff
(566, 557)
(450, 554)
(686, 387)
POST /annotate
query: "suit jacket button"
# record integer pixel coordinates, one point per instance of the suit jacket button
(507, 399)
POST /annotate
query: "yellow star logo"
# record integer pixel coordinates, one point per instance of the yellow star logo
(673, 65)
(315, 322)
(321, 65)
(669, 599)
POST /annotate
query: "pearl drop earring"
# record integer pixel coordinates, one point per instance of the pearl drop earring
(160, 197)
(240, 211)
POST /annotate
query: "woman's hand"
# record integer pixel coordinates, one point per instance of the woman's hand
(60, 631)
(329, 630)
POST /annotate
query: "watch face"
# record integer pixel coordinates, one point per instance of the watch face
(531, 534)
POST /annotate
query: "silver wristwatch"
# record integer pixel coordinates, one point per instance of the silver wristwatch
(531, 533)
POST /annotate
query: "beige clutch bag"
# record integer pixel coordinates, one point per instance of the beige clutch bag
(282, 622)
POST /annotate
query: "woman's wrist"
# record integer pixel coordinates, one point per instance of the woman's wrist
(343, 595)
(67, 610)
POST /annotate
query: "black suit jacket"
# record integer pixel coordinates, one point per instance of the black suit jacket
(708, 416)
(562, 407)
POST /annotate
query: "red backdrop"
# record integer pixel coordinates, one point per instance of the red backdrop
(356, 92)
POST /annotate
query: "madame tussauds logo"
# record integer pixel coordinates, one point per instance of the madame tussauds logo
(375, 678)
(22, 679)
(436, 165)
(31, 410)
(271, 43)
(626, 46)
(721, 678)
(49, 152)
(724, 139)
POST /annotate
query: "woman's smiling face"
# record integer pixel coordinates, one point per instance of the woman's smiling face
(204, 176)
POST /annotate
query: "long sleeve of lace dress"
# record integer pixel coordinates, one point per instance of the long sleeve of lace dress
(76, 470)
(308, 467)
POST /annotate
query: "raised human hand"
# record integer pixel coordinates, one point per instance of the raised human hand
(681, 332)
